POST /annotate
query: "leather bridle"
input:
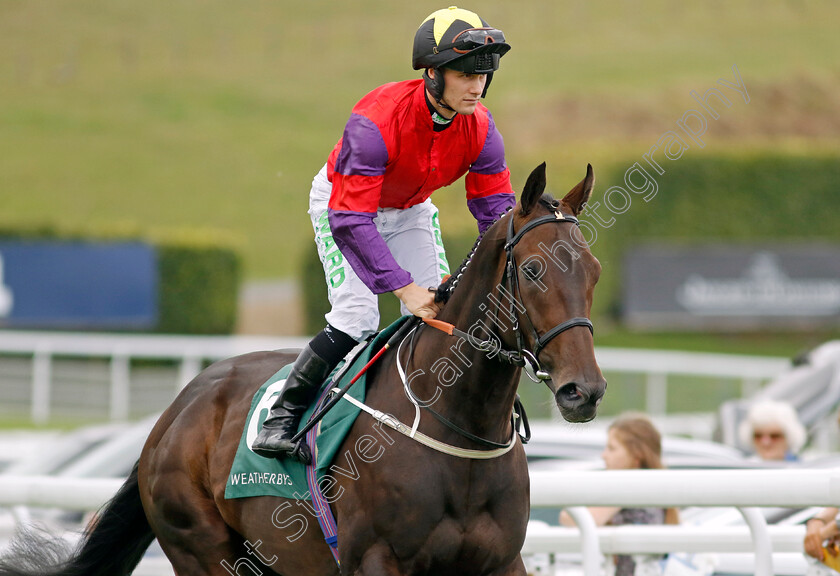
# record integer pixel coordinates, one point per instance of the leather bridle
(511, 276)
(522, 356)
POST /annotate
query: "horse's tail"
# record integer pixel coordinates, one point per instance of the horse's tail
(112, 546)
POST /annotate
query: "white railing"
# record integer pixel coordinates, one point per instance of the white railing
(192, 351)
(743, 489)
(83, 494)
(731, 546)
(658, 365)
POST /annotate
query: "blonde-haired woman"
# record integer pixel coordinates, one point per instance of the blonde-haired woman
(633, 442)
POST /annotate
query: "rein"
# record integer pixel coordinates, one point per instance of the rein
(395, 424)
(518, 411)
(521, 357)
(451, 425)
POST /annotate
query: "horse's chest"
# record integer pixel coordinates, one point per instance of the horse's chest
(436, 518)
(459, 529)
(484, 536)
(483, 547)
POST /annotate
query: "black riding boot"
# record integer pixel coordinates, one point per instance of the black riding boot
(274, 440)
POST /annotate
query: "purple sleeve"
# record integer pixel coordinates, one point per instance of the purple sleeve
(491, 159)
(363, 151)
(488, 208)
(360, 243)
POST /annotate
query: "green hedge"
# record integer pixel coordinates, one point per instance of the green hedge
(737, 198)
(198, 274)
(199, 288)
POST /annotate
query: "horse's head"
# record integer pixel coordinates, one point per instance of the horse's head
(553, 274)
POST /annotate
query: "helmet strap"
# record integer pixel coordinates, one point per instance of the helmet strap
(487, 84)
(435, 86)
(445, 106)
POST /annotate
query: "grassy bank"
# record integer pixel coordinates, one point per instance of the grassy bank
(217, 114)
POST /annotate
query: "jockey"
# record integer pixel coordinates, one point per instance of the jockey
(375, 226)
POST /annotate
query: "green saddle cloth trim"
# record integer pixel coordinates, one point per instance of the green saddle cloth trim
(252, 475)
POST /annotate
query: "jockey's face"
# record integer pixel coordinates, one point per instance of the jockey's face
(462, 91)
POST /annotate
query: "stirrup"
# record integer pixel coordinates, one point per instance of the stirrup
(277, 443)
(301, 453)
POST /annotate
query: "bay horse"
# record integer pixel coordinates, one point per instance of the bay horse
(524, 293)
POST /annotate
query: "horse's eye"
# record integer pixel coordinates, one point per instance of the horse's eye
(531, 272)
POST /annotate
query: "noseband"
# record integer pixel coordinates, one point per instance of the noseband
(522, 356)
(511, 278)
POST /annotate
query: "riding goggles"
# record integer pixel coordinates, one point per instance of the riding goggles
(473, 38)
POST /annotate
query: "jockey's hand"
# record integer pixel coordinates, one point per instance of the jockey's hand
(419, 301)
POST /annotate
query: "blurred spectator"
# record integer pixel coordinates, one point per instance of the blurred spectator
(822, 531)
(773, 430)
(633, 442)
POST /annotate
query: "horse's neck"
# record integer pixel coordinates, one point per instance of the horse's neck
(482, 381)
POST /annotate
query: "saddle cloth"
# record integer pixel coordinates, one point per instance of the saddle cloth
(252, 475)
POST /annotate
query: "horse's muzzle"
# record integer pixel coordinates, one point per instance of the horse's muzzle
(579, 402)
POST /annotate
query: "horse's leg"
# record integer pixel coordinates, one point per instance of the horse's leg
(378, 560)
(175, 479)
(174, 486)
(193, 535)
(280, 535)
(516, 568)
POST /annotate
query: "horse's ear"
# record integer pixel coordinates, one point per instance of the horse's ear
(578, 196)
(534, 188)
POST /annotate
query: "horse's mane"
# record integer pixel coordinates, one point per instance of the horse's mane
(444, 291)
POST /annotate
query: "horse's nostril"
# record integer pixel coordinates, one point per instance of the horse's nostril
(577, 403)
(569, 392)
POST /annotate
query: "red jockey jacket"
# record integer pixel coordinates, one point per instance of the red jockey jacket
(390, 156)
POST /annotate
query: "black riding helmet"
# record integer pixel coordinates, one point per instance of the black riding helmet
(457, 39)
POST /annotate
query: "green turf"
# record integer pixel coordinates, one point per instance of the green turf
(159, 116)
(216, 114)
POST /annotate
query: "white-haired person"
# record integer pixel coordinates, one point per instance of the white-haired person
(773, 430)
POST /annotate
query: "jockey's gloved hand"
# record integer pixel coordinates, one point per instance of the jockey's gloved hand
(419, 301)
